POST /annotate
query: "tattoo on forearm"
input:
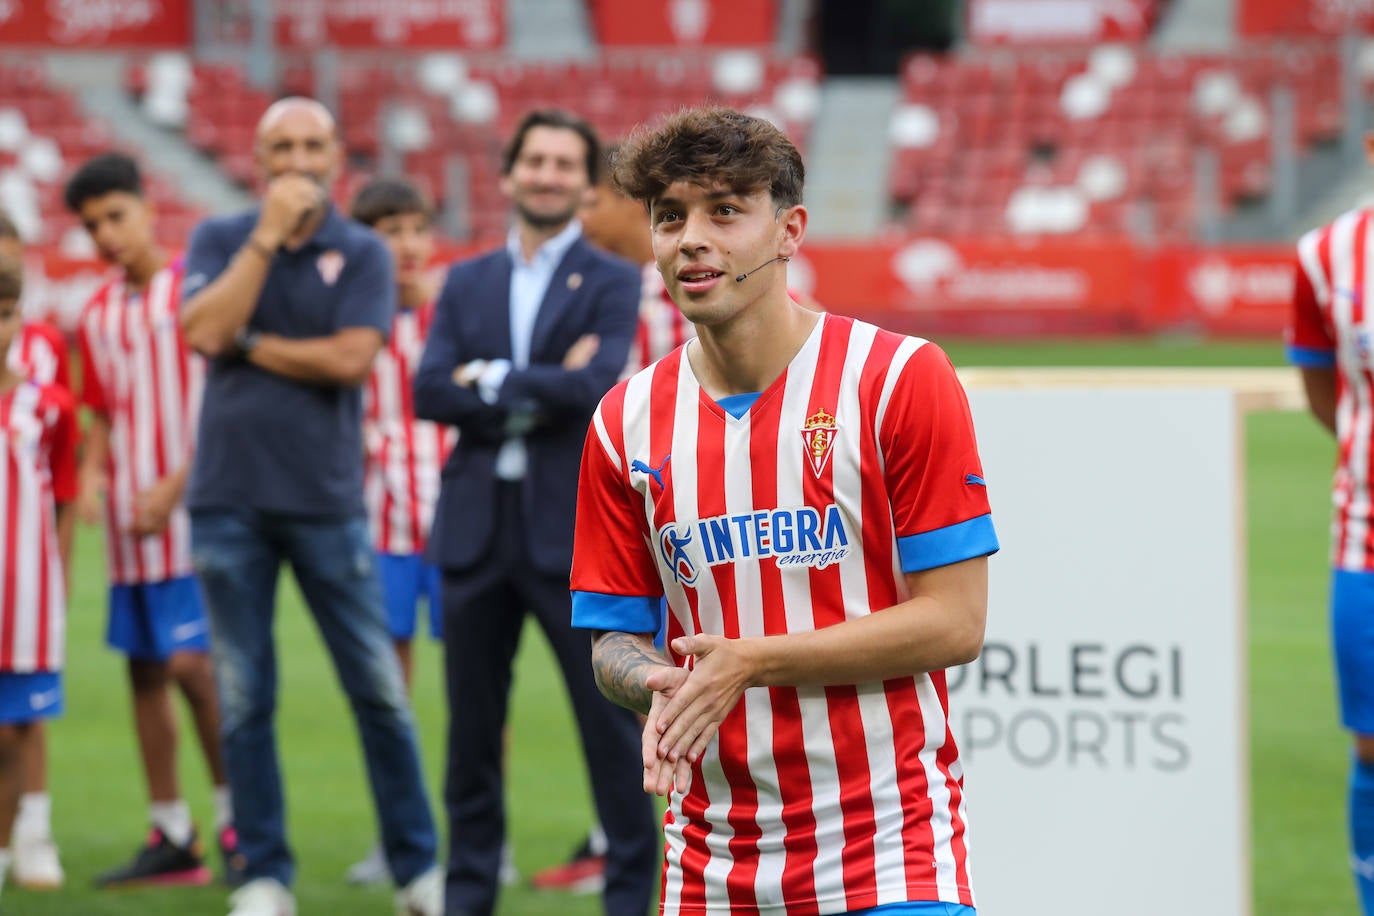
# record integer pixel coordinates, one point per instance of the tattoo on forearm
(621, 663)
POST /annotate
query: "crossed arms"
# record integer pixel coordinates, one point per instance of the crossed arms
(941, 625)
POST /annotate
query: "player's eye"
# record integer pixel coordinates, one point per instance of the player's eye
(726, 210)
(665, 216)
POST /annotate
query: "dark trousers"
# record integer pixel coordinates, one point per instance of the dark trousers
(484, 609)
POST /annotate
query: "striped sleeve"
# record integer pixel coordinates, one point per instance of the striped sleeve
(933, 473)
(1308, 341)
(615, 580)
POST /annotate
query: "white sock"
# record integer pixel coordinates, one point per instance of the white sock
(173, 819)
(596, 841)
(224, 808)
(35, 815)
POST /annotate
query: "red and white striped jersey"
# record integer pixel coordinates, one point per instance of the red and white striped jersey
(1332, 326)
(38, 428)
(403, 455)
(662, 326)
(139, 373)
(39, 354)
(857, 465)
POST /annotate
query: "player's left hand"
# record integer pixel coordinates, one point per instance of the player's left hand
(153, 507)
(692, 716)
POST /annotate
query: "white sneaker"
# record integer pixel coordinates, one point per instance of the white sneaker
(263, 897)
(510, 875)
(36, 866)
(424, 896)
(371, 870)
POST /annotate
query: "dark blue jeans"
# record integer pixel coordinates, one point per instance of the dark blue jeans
(238, 554)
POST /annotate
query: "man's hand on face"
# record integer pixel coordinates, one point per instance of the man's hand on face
(288, 199)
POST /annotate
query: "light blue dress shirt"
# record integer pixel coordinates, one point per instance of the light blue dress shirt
(529, 282)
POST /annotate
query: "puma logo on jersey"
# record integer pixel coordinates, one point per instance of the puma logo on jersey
(655, 473)
(974, 480)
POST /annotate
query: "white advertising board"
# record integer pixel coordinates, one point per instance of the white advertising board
(1103, 729)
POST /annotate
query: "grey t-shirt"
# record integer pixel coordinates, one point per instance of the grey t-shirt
(268, 442)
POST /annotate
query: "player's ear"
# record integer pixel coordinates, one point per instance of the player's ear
(792, 222)
(1369, 145)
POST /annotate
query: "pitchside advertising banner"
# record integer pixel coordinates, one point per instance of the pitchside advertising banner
(1021, 22)
(95, 23)
(696, 23)
(1103, 727)
(933, 287)
(1297, 18)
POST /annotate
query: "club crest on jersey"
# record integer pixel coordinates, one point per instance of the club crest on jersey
(818, 434)
(330, 265)
(672, 544)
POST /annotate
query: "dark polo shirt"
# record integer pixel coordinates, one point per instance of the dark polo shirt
(267, 442)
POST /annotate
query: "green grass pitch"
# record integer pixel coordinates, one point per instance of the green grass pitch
(1298, 763)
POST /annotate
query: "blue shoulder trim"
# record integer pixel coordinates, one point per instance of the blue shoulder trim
(943, 546)
(628, 614)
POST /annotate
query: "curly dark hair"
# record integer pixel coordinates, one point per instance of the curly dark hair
(384, 197)
(707, 146)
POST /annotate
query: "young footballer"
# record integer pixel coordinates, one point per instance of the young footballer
(403, 455)
(1328, 339)
(37, 482)
(39, 354)
(142, 386)
(806, 491)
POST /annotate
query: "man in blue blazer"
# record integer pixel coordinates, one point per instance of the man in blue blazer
(525, 341)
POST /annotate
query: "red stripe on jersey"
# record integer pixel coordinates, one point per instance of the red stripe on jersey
(947, 757)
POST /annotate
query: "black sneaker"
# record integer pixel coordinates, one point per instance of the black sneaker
(161, 862)
(234, 862)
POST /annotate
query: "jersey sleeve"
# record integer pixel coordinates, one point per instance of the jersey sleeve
(933, 474)
(62, 436)
(57, 343)
(92, 389)
(615, 581)
(1308, 340)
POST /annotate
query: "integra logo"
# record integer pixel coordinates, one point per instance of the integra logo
(801, 536)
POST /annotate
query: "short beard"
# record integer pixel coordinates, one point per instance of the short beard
(543, 220)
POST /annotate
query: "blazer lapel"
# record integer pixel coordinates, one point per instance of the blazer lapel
(567, 281)
(499, 314)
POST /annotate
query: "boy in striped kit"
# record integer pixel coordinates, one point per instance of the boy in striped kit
(403, 455)
(1329, 339)
(806, 491)
(142, 385)
(37, 482)
(40, 355)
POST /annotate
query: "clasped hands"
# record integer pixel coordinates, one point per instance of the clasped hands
(689, 705)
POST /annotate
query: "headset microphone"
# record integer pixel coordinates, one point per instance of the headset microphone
(741, 278)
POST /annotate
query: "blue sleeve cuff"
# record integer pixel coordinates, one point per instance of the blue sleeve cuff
(1310, 357)
(595, 611)
(951, 544)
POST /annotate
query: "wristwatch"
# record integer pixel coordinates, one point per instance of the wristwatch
(245, 340)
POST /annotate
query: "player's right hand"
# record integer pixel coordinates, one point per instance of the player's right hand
(288, 199)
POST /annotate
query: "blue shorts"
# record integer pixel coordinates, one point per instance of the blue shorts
(152, 621)
(405, 578)
(1352, 642)
(30, 697)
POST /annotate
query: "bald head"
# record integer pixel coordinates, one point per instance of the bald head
(296, 106)
(298, 135)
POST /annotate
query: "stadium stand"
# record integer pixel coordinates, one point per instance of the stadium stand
(1098, 143)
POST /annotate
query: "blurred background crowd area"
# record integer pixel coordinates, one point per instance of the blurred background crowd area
(976, 166)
